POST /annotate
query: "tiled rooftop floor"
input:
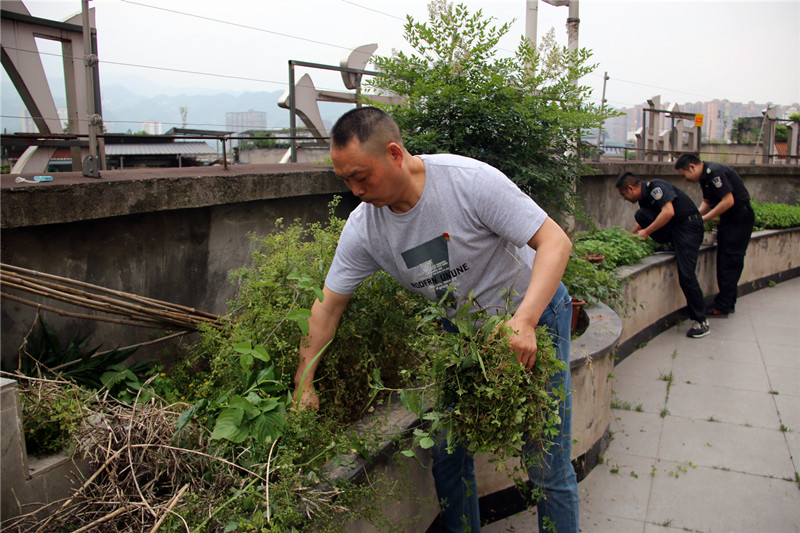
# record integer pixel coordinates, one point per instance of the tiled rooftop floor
(706, 432)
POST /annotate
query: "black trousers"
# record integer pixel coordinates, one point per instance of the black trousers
(733, 236)
(687, 236)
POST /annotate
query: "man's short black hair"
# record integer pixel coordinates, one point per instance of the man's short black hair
(625, 179)
(370, 125)
(685, 160)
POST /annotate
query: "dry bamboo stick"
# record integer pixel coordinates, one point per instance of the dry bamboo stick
(80, 302)
(107, 290)
(145, 324)
(111, 306)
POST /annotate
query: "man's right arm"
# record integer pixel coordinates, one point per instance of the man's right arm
(322, 325)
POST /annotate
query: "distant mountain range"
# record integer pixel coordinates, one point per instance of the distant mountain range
(125, 110)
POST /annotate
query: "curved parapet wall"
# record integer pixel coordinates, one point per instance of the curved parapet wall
(656, 301)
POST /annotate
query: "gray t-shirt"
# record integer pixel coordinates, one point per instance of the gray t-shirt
(470, 229)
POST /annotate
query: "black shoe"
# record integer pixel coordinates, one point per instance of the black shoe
(700, 329)
(666, 248)
(713, 312)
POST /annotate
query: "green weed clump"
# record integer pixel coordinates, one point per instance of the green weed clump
(775, 216)
(482, 397)
(617, 245)
(50, 416)
(271, 311)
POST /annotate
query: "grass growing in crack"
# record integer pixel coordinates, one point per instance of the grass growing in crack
(626, 406)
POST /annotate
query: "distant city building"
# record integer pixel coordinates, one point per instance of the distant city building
(718, 118)
(152, 127)
(27, 122)
(29, 126)
(245, 120)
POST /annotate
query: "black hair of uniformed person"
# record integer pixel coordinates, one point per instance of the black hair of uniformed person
(625, 179)
(685, 160)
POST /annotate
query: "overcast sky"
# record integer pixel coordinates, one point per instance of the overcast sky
(691, 50)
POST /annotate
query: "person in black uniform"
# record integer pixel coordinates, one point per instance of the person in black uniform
(667, 214)
(724, 196)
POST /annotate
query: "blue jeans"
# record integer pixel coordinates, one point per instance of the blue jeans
(454, 474)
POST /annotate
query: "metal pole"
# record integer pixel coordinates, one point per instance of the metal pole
(90, 166)
(292, 113)
(602, 107)
(573, 22)
(531, 21)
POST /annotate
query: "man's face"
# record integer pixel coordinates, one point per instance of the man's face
(630, 193)
(692, 174)
(369, 176)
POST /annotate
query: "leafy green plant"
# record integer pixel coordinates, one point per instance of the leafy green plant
(271, 311)
(482, 397)
(776, 216)
(50, 416)
(44, 355)
(617, 245)
(588, 281)
(522, 114)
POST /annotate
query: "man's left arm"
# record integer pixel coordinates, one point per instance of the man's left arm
(663, 218)
(552, 247)
(724, 204)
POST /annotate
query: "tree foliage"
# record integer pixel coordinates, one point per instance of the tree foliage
(523, 114)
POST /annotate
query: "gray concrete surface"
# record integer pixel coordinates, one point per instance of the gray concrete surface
(706, 432)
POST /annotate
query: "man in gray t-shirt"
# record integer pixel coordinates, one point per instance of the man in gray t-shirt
(437, 221)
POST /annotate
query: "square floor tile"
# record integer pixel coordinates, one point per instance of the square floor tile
(720, 445)
(721, 373)
(619, 487)
(635, 433)
(784, 380)
(650, 394)
(645, 364)
(789, 412)
(780, 355)
(721, 404)
(710, 500)
(598, 522)
(721, 349)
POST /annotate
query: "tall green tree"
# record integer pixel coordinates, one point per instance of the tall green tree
(522, 114)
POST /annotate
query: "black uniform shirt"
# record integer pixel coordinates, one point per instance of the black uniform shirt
(657, 193)
(717, 180)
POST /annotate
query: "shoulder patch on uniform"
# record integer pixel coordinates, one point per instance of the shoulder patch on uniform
(717, 181)
(657, 193)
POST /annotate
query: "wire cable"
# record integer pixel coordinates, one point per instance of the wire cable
(236, 24)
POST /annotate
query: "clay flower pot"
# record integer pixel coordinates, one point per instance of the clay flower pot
(577, 307)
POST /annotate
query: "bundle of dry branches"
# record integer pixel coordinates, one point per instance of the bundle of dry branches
(140, 473)
(130, 308)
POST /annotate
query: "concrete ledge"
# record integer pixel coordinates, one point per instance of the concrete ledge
(70, 197)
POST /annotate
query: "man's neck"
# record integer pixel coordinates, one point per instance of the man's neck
(414, 187)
